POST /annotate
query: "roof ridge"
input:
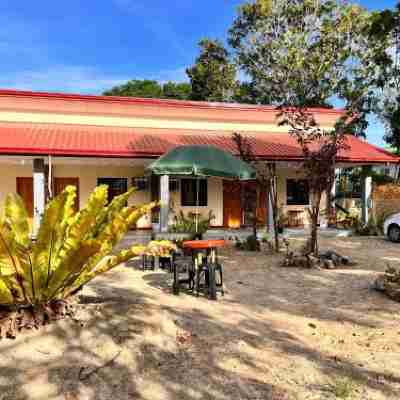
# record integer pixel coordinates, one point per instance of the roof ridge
(153, 101)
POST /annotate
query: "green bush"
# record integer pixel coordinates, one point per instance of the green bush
(187, 224)
(374, 227)
(251, 244)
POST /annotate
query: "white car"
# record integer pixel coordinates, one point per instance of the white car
(391, 227)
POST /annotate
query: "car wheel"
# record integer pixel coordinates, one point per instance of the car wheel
(394, 233)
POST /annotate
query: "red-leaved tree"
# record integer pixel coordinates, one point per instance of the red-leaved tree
(320, 149)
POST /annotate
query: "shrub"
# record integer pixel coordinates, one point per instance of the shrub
(71, 248)
(374, 227)
(250, 244)
(187, 224)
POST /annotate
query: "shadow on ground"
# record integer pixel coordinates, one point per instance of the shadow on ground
(134, 340)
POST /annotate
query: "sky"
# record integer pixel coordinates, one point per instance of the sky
(88, 46)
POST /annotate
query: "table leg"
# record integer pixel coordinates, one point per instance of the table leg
(175, 286)
(212, 284)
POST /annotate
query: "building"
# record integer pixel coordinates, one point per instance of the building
(51, 140)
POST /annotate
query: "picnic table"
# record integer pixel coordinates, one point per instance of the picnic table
(205, 259)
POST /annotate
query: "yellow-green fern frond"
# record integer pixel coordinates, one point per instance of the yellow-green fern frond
(51, 235)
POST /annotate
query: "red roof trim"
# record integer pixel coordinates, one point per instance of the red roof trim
(90, 141)
(154, 102)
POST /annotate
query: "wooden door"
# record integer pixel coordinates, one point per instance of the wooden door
(232, 204)
(25, 190)
(262, 207)
(59, 184)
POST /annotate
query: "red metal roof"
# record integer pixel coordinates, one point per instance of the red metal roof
(95, 141)
(152, 101)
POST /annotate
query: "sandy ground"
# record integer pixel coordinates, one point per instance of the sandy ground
(277, 334)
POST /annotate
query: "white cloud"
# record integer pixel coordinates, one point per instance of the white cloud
(78, 79)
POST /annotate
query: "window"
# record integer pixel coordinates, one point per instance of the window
(116, 186)
(297, 192)
(189, 192)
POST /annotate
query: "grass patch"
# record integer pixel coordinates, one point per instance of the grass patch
(343, 388)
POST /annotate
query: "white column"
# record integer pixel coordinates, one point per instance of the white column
(366, 198)
(270, 213)
(39, 196)
(330, 202)
(164, 202)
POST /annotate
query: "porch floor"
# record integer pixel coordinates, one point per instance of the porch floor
(144, 237)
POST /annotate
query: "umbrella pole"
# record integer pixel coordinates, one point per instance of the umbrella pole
(197, 205)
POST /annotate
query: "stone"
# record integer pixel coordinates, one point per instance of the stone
(336, 260)
(313, 262)
(393, 291)
(379, 283)
(328, 264)
(345, 260)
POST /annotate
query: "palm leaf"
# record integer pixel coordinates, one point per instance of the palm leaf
(51, 235)
(105, 265)
(10, 265)
(70, 267)
(17, 218)
(6, 296)
(111, 234)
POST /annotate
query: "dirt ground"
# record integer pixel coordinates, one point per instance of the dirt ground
(277, 334)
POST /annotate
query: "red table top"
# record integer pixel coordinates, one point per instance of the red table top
(203, 244)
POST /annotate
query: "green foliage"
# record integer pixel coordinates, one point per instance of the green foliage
(374, 227)
(187, 223)
(250, 244)
(303, 53)
(343, 388)
(213, 76)
(385, 27)
(70, 248)
(152, 89)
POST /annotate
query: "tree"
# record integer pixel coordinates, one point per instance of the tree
(386, 27)
(152, 89)
(320, 149)
(213, 76)
(306, 52)
(179, 91)
(266, 178)
(246, 92)
(137, 88)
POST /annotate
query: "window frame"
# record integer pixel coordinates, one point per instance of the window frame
(102, 180)
(184, 192)
(296, 201)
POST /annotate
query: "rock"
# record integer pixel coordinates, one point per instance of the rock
(313, 262)
(336, 260)
(346, 260)
(311, 325)
(379, 283)
(328, 264)
(392, 290)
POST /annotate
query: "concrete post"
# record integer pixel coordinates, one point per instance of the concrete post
(366, 198)
(330, 202)
(39, 192)
(164, 203)
(270, 213)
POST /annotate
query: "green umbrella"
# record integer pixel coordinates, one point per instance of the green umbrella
(202, 161)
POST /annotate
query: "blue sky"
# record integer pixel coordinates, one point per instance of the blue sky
(88, 46)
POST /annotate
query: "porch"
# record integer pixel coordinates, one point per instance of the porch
(38, 178)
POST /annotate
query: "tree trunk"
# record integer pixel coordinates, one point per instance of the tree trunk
(276, 230)
(314, 236)
(314, 214)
